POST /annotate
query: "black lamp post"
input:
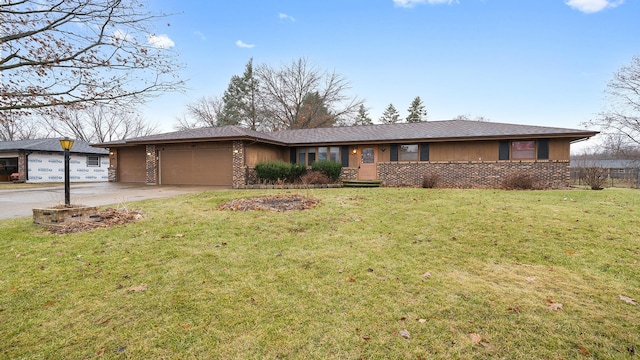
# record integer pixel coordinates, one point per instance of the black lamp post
(66, 144)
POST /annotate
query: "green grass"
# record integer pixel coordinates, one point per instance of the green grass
(336, 282)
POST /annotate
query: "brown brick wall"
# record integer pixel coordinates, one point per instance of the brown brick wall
(239, 170)
(152, 165)
(22, 165)
(549, 174)
(348, 174)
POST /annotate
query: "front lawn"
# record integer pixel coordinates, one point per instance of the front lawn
(367, 274)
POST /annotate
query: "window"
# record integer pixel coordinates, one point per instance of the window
(334, 154)
(308, 156)
(329, 153)
(93, 160)
(408, 152)
(302, 156)
(523, 149)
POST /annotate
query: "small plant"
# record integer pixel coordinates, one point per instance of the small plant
(430, 181)
(519, 181)
(330, 168)
(594, 176)
(315, 177)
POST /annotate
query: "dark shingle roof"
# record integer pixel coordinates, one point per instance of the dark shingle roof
(426, 131)
(218, 133)
(429, 130)
(52, 145)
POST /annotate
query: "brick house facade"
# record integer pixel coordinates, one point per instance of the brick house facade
(460, 153)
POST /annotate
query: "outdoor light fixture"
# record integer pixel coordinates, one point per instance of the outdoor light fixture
(355, 149)
(66, 144)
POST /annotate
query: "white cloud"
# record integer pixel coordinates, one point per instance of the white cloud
(160, 41)
(200, 35)
(241, 44)
(593, 6)
(284, 16)
(412, 3)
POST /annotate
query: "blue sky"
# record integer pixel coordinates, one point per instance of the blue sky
(537, 62)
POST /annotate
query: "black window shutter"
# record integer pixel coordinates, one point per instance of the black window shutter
(424, 152)
(345, 156)
(393, 152)
(504, 151)
(292, 155)
(543, 149)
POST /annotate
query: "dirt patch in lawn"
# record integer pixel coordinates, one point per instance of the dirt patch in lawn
(106, 218)
(271, 203)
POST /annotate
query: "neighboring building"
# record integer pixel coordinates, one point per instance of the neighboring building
(462, 153)
(42, 160)
(621, 169)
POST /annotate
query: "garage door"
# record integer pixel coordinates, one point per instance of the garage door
(196, 167)
(132, 165)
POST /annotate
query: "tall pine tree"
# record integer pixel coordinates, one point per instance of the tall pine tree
(240, 100)
(417, 112)
(390, 115)
(362, 118)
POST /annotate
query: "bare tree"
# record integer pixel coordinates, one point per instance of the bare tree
(623, 113)
(204, 112)
(74, 52)
(17, 127)
(293, 94)
(96, 124)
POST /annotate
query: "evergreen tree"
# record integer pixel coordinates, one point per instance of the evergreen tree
(390, 115)
(417, 112)
(314, 113)
(240, 99)
(362, 118)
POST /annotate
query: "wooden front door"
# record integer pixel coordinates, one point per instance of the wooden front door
(368, 167)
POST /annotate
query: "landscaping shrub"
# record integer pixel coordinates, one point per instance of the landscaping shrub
(315, 177)
(594, 176)
(519, 181)
(430, 181)
(330, 168)
(273, 171)
(297, 170)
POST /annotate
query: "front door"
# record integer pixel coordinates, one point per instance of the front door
(368, 163)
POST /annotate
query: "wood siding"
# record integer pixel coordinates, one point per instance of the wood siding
(256, 153)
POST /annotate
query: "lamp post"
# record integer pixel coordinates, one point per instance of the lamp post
(66, 144)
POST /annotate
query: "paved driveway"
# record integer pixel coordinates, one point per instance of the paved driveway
(20, 202)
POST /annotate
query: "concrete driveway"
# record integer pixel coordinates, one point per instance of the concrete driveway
(20, 202)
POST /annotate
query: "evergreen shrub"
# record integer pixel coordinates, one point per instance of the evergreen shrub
(330, 168)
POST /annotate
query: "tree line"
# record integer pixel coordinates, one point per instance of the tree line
(297, 95)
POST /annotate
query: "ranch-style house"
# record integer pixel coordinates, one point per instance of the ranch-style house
(462, 153)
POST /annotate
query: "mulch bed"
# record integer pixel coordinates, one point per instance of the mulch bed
(276, 203)
(107, 218)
